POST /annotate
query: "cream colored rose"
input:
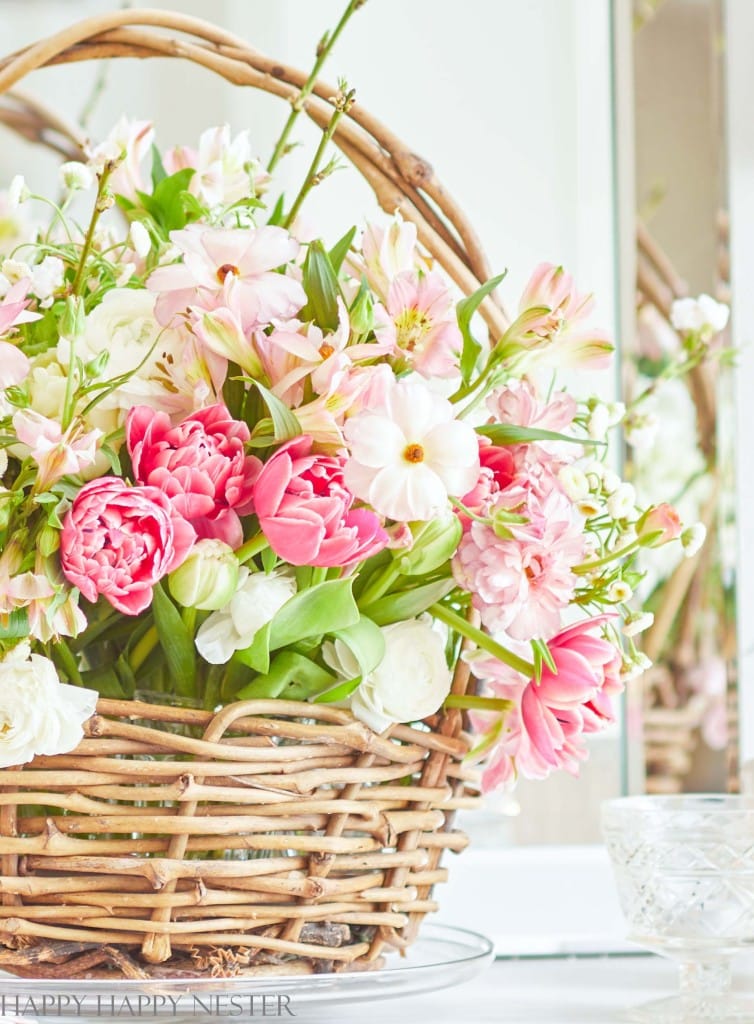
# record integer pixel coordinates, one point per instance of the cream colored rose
(411, 681)
(38, 713)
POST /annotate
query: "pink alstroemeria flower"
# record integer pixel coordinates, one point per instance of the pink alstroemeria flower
(200, 464)
(13, 312)
(230, 267)
(305, 512)
(421, 324)
(57, 453)
(564, 337)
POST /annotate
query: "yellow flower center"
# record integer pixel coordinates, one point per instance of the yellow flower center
(413, 453)
(411, 325)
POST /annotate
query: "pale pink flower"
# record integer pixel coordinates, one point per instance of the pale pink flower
(559, 334)
(127, 145)
(56, 452)
(409, 453)
(522, 583)
(355, 389)
(233, 267)
(421, 324)
(519, 404)
(659, 525)
(19, 589)
(225, 169)
(387, 251)
(13, 312)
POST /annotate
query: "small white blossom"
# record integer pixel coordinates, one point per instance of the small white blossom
(598, 422)
(125, 274)
(610, 482)
(619, 592)
(574, 483)
(703, 315)
(622, 502)
(637, 622)
(615, 411)
(17, 191)
(139, 239)
(75, 176)
(589, 507)
(692, 539)
(641, 431)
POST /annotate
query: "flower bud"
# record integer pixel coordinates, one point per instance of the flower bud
(18, 191)
(434, 543)
(637, 622)
(140, 239)
(208, 578)
(658, 525)
(361, 314)
(48, 540)
(574, 483)
(622, 501)
(692, 539)
(74, 176)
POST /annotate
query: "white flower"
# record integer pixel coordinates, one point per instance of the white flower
(17, 191)
(411, 681)
(44, 278)
(124, 325)
(622, 502)
(692, 539)
(38, 713)
(619, 592)
(139, 239)
(641, 430)
(637, 622)
(256, 602)
(74, 176)
(702, 315)
(223, 167)
(409, 453)
(610, 482)
(574, 483)
(589, 507)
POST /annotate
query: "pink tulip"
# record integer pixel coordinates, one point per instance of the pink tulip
(118, 541)
(200, 465)
(231, 267)
(305, 511)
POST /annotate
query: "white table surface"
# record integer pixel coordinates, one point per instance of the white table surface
(588, 990)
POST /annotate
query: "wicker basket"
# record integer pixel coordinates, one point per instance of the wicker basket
(271, 837)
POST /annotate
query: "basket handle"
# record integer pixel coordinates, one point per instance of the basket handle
(400, 180)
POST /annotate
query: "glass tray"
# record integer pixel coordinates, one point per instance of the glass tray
(441, 957)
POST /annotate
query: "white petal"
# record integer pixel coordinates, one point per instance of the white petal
(375, 440)
(217, 640)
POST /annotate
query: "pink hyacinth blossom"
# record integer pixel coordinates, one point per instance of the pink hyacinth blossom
(520, 584)
(119, 541)
(559, 333)
(409, 453)
(421, 324)
(57, 453)
(305, 510)
(200, 464)
(234, 267)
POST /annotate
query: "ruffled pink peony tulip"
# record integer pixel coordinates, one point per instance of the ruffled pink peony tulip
(118, 541)
(200, 465)
(304, 509)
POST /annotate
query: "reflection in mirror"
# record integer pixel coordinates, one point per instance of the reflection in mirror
(680, 420)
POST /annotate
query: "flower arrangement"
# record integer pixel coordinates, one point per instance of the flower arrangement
(237, 462)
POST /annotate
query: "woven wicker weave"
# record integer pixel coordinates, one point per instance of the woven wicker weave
(272, 837)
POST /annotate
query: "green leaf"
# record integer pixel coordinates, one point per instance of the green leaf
(321, 286)
(340, 250)
(278, 211)
(234, 391)
(321, 609)
(166, 205)
(158, 168)
(366, 641)
(284, 422)
(465, 310)
(407, 604)
(434, 543)
(106, 682)
(509, 433)
(338, 693)
(176, 642)
(287, 668)
(14, 625)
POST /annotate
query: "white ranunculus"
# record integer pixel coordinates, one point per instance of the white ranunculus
(411, 681)
(38, 713)
(124, 326)
(256, 602)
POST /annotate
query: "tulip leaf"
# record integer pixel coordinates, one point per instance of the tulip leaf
(407, 604)
(320, 283)
(287, 669)
(339, 692)
(509, 433)
(176, 642)
(314, 612)
(465, 310)
(366, 641)
(340, 250)
(284, 422)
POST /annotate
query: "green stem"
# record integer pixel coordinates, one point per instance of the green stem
(189, 620)
(323, 52)
(380, 585)
(460, 625)
(468, 702)
(587, 567)
(89, 239)
(313, 174)
(69, 662)
(143, 648)
(252, 547)
(319, 575)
